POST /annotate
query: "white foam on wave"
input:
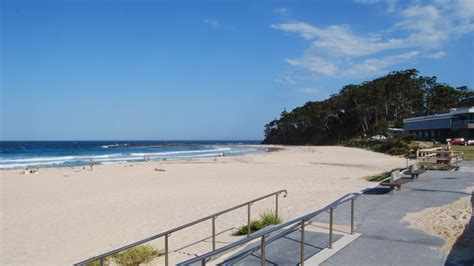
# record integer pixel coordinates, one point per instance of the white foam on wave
(65, 158)
(37, 159)
(137, 158)
(100, 156)
(23, 165)
(179, 152)
(114, 162)
(199, 155)
(242, 151)
(119, 159)
(114, 145)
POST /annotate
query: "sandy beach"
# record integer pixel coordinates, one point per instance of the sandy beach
(447, 222)
(64, 215)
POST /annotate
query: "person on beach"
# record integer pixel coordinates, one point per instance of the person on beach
(159, 169)
(91, 164)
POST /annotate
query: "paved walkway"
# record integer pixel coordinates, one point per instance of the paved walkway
(385, 239)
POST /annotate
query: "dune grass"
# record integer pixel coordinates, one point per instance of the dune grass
(106, 262)
(266, 219)
(136, 255)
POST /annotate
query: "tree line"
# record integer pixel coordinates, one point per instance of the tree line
(367, 109)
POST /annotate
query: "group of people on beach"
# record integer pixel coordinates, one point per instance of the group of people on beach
(30, 171)
(91, 164)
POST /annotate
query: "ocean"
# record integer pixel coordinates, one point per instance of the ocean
(37, 154)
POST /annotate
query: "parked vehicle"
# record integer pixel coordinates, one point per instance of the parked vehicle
(469, 142)
(457, 141)
(379, 137)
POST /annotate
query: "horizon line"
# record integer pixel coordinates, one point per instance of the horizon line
(171, 140)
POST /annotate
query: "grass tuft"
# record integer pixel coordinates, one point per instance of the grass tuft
(97, 262)
(266, 219)
(136, 256)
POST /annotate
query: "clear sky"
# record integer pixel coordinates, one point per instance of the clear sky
(98, 70)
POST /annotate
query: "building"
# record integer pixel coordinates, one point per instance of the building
(458, 123)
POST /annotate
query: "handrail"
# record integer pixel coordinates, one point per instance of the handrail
(166, 234)
(299, 221)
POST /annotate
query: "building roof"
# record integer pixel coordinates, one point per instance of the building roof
(453, 112)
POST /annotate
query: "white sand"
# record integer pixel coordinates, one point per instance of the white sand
(63, 215)
(447, 222)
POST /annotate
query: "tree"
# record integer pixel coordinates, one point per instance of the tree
(366, 109)
(441, 98)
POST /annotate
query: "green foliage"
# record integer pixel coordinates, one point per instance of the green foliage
(136, 255)
(266, 219)
(467, 150)
(399, 145)
(365, 110)
(97, 262)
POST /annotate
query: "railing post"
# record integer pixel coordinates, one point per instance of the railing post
(276, 204)
(214, 233)
(331, 210)
(203, 262)
(166, 250)
(352, 216)
(101, 262)
(262, 251)
(302, 244)
(248, 219)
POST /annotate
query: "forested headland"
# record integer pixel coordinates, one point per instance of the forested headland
(367, 109)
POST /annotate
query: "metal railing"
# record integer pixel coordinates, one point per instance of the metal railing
(438, 159)
(167, 234)
(290, 226)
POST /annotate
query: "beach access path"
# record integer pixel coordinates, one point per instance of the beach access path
(383, 234)
(388, 239)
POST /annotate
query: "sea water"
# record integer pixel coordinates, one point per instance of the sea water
(33, 154)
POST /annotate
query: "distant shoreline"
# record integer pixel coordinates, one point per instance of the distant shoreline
(20, 155)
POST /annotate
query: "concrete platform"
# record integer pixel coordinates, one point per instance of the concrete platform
(387, 240)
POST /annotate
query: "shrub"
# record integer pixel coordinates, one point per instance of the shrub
(266, 219)
(136, 255)
(399, 145)
(379, 177)
(408, 137)
(97, 262)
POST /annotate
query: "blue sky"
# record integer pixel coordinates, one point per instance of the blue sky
(97, 70)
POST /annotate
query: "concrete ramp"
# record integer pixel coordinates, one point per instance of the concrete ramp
(286, 250)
